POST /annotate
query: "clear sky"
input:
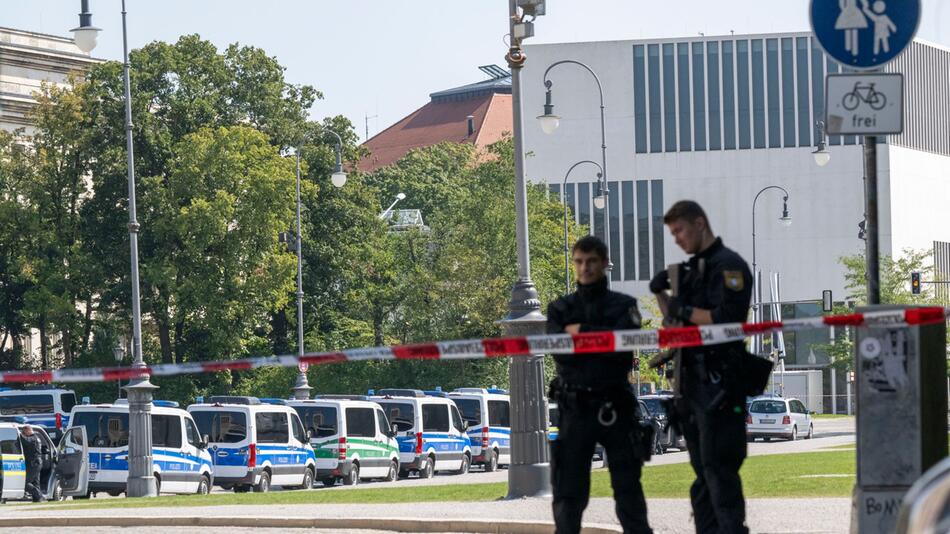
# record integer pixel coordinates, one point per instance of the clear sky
(384, 57)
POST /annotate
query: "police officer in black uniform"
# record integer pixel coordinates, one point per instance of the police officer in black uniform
(33, 454)
(714, 286)
(594, 397)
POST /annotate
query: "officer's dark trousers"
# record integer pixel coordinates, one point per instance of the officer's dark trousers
(578, 433)
(33, 482)
(717, 447)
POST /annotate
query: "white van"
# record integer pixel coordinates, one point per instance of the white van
(255, 445)
(46, 406)
(351, 438)
(180, 458)
(430, 432)
(65, 469)
(487, 414)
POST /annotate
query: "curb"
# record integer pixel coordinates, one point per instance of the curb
(378, 523)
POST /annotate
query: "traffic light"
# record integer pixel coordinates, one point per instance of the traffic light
(915, 283)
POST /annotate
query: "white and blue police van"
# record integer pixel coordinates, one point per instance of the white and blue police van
(487, 414)
(431, 434)
(180, 459)
(351, 437)
(255, 445)
(45, 406)
(64, 471)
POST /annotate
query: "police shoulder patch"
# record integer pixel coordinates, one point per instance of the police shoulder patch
(734, 280)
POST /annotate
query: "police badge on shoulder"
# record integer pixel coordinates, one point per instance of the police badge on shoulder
(733, 280)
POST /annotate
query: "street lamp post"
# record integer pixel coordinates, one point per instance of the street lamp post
(141, 481)
(550, 121)
(399, 196)
(567, 250)
(338, 179)
(118, 352)
(529, 474)
(821, 154)
(786, 220)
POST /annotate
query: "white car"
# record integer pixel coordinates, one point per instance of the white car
(777, 417)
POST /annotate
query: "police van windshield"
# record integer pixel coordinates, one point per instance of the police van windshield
(655, 406)
(68, 400)
(26, 404)
(554, 415)
(221, 426)
(768, 406)
(104, 429)
(401, 414)
(321, 421)
(471, 409)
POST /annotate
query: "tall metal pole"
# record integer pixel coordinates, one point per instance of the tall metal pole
(301, 387)
(757, 305)
(567, 248)
(872, 224)
(141, 481)
(603, 152)
(530, 473)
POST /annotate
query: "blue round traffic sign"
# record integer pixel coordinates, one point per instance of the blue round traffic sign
(864, 34)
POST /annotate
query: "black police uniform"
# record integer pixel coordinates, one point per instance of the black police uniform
(584, 385)
(33, 454)
(711, 407)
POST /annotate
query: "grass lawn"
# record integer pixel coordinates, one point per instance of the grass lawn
(762, 476)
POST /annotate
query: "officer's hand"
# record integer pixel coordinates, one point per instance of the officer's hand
(660, 282)
(572, 328)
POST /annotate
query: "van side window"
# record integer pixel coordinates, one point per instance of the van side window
(299, 433)
(435, 418)
(457, 419)
(104, 429)
(67, 401)
(384, 426)
(272, 427)
(401, 414)
(360, 423)
(499, 413)
(166, 431)
(191, 433)
(10, 446)
(221, 427)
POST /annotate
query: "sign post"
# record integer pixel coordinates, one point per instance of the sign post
(865, 35)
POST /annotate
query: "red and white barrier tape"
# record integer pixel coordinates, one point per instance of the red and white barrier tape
(585, 343)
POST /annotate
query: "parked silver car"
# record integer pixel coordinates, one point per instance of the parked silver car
(777, 417)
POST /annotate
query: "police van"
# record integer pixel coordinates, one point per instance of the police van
(351, 437)
(255, 445)
(487, 414)
(180, 459)
(430, 432)
(46, 406)
(64, 472)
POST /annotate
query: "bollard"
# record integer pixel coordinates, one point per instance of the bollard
(901, 416)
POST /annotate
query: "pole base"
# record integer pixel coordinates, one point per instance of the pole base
(142, 487)
(529, 481)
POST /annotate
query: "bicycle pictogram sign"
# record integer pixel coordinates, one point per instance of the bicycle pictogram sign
(864, 93)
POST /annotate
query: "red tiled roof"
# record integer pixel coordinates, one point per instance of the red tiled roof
(438, 122)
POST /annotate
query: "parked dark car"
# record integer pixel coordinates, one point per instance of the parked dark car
(666, 436)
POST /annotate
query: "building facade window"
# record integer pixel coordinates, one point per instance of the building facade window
(788, 93)
(555, 190)
(712, 90)
(629, 232)
(614, 205)
(817, 84)
(831, 67)
(669, 96)
(728, 98)
(699, 99)
(685, 104)
(743, 106)
(643, 230)
(656, 200)
(771, 86)
(639, 99)
(583, 204)
(804, 110)
(758, 94)
(653, 78)
(571, 200)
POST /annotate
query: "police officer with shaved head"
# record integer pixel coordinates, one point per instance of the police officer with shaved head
(713, 286)
(595, 399)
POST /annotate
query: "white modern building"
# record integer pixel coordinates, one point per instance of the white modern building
(716, 120)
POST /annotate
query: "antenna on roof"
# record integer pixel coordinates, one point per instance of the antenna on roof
(367, 118)
(494, 71)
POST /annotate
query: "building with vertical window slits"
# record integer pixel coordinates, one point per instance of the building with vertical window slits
(716, 119)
